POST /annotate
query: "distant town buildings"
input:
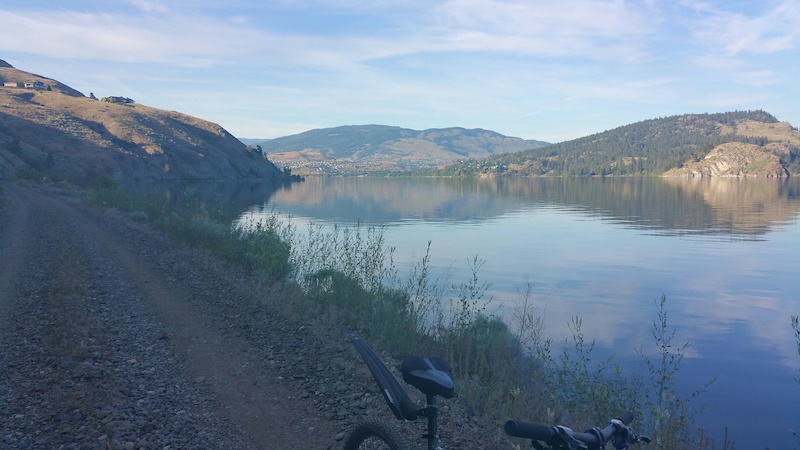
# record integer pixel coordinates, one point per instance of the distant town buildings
(37, 85)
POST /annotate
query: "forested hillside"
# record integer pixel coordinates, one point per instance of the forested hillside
(651, 147)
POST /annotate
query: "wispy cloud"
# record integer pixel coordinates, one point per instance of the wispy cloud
(150, 7)
(591, 64)
(578, 28)
(733, 33)
(158, 33)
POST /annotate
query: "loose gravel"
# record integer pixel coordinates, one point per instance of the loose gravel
(111, 337)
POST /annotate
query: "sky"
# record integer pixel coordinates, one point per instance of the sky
(550, 70)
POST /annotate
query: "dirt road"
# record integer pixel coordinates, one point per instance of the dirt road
(111, 337)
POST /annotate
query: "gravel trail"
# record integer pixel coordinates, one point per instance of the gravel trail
(113, 337)
(110, 337)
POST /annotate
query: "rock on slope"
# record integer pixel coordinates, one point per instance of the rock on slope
(735, 159)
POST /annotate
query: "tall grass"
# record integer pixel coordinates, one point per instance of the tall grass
(670, 414)
(796, 327)
(261, 246)
(348, 275)
(581, 389)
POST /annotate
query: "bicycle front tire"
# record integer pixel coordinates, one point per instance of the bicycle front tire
(376, 434)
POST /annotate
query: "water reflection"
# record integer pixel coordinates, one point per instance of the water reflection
(745, 208)
(597, 248)
(229, 198)
(737, 208)
(724, 251)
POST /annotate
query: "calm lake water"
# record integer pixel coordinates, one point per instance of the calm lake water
(725, 252)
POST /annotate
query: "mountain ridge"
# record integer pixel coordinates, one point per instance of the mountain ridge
(372, 148)
(48, 129)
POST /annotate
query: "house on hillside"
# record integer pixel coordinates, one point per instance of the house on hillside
(38, 85)
(122, 100)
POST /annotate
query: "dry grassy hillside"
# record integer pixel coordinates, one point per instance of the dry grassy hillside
(780, 131)
(736, 159)
(57, 131)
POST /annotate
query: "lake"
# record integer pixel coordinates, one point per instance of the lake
(725, 252)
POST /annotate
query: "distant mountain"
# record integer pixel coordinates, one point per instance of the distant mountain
(672, 146)
(48, 129)
(380, 148)
(253, 141)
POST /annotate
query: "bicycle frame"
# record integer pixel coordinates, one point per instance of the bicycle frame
(430, 376)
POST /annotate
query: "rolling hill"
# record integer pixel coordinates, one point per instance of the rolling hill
(48, 129)
(684, 145)
(380, 148)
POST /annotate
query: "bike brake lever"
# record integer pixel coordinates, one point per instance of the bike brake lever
(566, 435)
(622, 440)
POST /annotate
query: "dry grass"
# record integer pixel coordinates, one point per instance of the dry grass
(60, 131)
(781, 131)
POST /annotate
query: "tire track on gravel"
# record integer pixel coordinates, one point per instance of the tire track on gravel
(245, 392)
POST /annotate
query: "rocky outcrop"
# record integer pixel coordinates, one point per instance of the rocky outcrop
(736, 159)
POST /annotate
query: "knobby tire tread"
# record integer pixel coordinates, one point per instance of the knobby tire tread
(379, 428)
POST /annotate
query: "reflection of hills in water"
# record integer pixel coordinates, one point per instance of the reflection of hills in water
(228, 197)
(389, 200)
(674, 205)
(741, 206)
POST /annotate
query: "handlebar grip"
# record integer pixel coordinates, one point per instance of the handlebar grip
(527, 430)
(626, 417)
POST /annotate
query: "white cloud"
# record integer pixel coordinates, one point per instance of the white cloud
(174, 40)
(150, 7)
(485, 63)
(735, 33)
(584, 28)
(157, 33)
(646, 90)
(758, 78)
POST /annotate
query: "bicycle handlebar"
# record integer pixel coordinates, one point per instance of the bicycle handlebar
(535, 431)
(618, 429)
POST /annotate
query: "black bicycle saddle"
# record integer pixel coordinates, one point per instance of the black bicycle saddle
(429, 375)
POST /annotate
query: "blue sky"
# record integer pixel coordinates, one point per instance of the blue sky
(537, 69)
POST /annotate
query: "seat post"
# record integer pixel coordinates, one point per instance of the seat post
(432, 413)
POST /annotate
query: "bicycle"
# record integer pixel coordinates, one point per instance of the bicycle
(618, 432)
(430, 375)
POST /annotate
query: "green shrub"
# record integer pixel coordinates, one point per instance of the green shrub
(263, 246)
(139, 216)
(668, 413)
